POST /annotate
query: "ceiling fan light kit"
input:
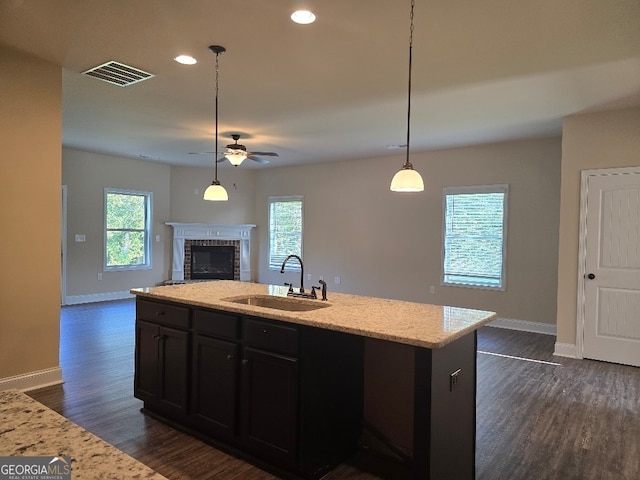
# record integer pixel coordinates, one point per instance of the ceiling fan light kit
(407, 179)
(216, 192)
(235, 157)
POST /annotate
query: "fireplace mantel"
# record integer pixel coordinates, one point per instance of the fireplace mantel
(205, 231)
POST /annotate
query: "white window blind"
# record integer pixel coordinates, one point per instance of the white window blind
(285, 231)
(474, 244)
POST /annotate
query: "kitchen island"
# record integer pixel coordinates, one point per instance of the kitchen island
(284, 386)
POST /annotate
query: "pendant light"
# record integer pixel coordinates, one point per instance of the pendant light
(216, 192)
(407, 179)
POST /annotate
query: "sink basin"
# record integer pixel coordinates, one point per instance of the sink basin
(279, 303)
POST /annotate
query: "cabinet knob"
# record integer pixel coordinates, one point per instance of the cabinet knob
(157, 337)
(245, 361)
(230, 357)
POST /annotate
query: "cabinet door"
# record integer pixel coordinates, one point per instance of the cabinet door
(215, 385)
(270, 404)
(174, 364)
(146, 381)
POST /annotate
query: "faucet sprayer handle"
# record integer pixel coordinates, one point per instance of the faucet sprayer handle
(324, 289)
(290, 285)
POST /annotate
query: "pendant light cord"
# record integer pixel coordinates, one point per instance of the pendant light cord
(407, 164)
(215, 159)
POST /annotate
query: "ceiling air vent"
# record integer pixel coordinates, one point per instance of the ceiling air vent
(118, 74)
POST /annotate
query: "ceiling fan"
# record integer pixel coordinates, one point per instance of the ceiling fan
(236, 153)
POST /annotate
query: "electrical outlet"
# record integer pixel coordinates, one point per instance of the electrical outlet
(336, 280)
(432, 289)
(99, 275)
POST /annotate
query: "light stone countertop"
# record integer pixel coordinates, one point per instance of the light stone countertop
(29, 428)
(418, 324)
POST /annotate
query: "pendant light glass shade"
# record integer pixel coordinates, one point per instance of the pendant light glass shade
(407, 180)
(216, 193)
(235, 157)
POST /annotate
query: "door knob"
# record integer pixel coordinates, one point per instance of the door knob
(591, 276)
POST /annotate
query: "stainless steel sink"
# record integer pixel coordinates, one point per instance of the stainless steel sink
(279, 303)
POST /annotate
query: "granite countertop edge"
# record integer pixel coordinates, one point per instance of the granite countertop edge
(410, 323)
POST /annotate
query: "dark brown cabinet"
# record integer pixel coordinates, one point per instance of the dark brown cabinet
(161, 358)
(214, 392)
(271, 385)
(285, 395)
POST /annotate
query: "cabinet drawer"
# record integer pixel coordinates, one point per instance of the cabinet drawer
(269, 336)
(216, 323)
(164, 313)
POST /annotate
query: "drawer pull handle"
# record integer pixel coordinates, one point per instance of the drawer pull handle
(157, 337)
(230, 357)
(159, 314)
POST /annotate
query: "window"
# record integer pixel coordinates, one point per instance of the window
(474, 243)
(285, 231)
(127, 229)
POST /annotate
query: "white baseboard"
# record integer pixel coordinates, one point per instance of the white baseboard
(33, 380)
(565, 350)
(97, 297)
(524, 325)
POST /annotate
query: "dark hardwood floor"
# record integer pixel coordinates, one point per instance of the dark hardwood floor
(551, 418)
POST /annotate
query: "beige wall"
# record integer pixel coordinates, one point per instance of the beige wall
(386, 244)
(30, 133)
(188, 185)
(187, 205)
(597, 140)
(86, 176)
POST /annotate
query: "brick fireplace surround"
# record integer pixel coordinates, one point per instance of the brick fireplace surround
(187, 234)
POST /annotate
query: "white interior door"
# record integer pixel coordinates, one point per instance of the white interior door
(612, 268)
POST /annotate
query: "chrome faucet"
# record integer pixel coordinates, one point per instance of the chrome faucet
(301, 270)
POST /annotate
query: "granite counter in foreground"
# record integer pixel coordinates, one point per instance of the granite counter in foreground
(29, 428)
(411, 323)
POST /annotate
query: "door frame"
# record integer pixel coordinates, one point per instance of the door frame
(63, 248)
(582, 246)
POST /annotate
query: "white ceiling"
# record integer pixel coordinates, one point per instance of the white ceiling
(334, 90)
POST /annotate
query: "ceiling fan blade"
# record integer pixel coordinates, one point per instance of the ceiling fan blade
(264, 154)
(201, 153)
(221, 159)
(262, 161)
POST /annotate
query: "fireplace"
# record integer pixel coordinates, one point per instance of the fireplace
(189, 235)
(212, 262)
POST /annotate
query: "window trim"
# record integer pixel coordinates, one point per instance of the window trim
(147, 229)
(291, 267)
(477, 189)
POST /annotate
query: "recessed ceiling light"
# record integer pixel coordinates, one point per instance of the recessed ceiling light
(185, 60)
(303, 17)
